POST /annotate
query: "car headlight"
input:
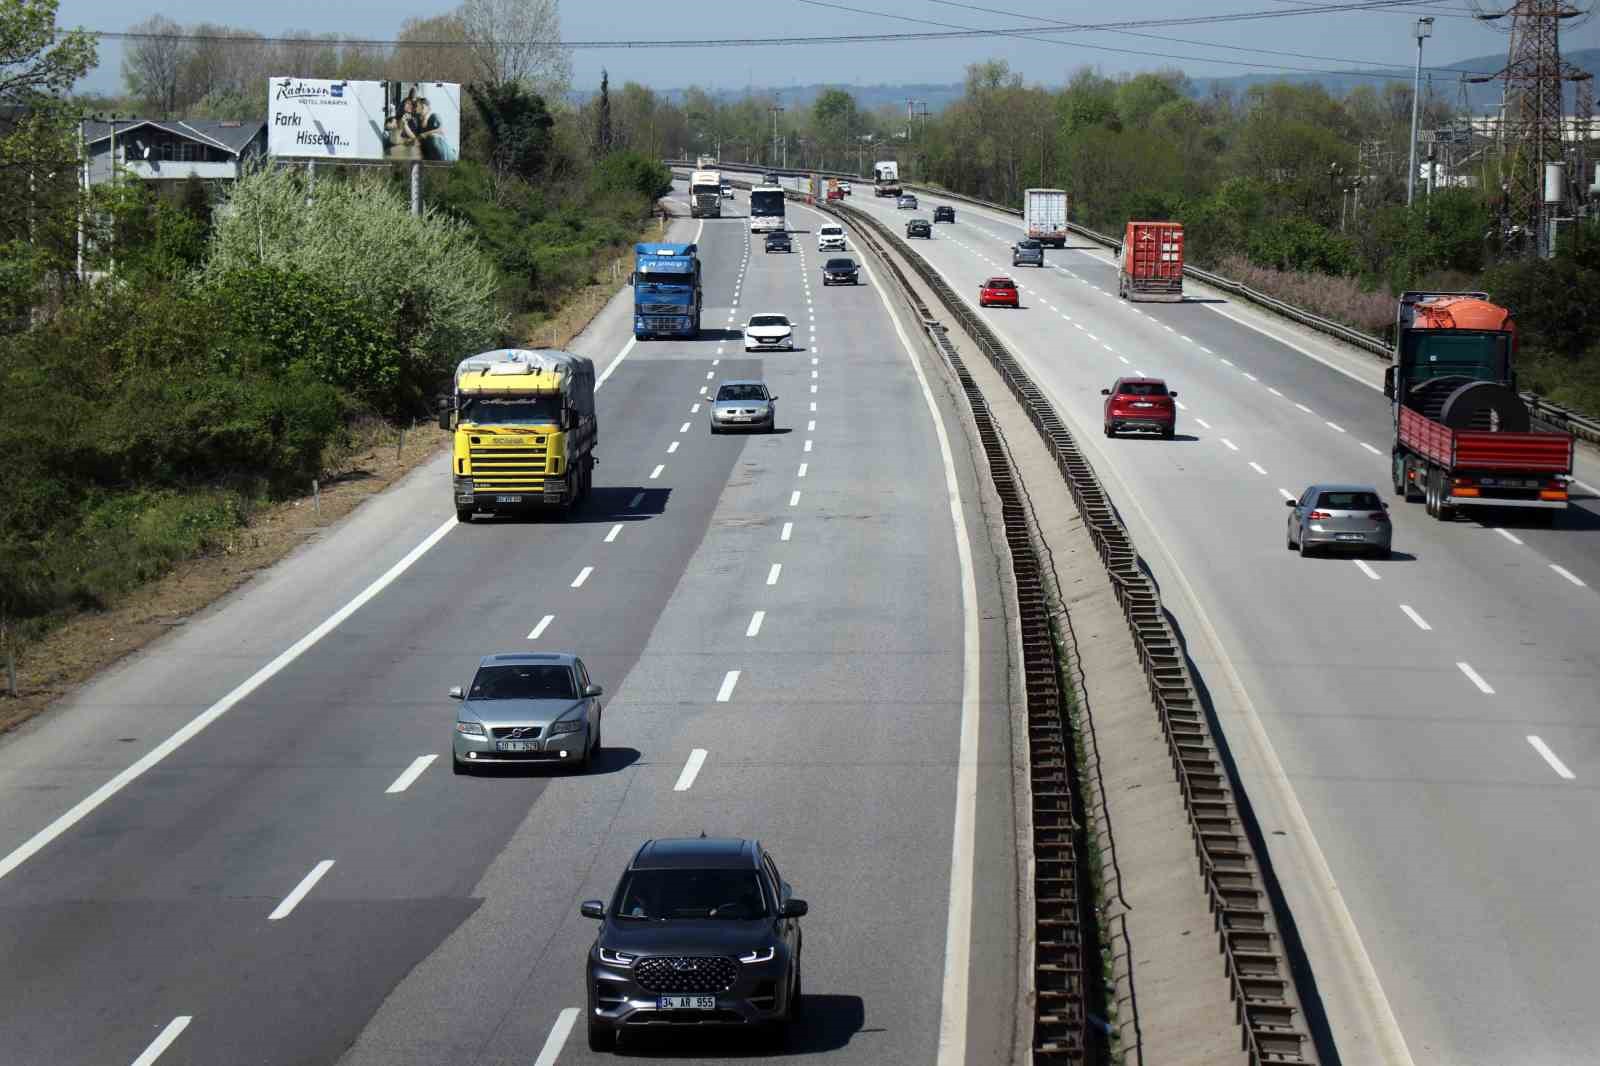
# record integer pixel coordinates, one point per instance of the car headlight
(566, 725)
(616, 958)
(471, 729)
(759, 955)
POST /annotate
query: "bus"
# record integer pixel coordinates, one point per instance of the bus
(766, 209)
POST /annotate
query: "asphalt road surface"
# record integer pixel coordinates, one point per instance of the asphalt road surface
(1434, 714)
(245, 845)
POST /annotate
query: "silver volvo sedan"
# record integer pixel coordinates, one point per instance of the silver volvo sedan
(527, 707)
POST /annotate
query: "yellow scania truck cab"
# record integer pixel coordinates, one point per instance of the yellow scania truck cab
(525, 431)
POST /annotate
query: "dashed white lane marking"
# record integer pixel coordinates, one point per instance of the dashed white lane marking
(1180, 404)
(557, 1038)
(1092, 337)
(1257, 468)
(657, 471)
(1139, 372)
(1411, 613)
(307, 883)
(1186, 340)
(710, 374)
(544, 623)
(1365, 569)
(802, 472)
(1473, 676)
(808, 446)
(1586, 487)
(813, 360)
(163, 1040)
(1226, 362)
(583, 575)
(1512, 537)
(1274, 392)
(1232, 447)
(1208, 351)
(788, 531)
(697, 759)
(1550, 757)
(410, 774)
(1125, 360)
(813, 388)
(725, 693)
(814, 373)
(1569, 575)
(1303, 407)
(694, 409)
(611, 536)
(702, 390)
(685, 427)
(794, 498)
(811, 425)
(1108, 348)
(1168, 328)
(672, 447)
(754, 627)
(716, 362)
(1079, 325)
(1334, 426)
(1249, 375)
(1202, 423)
(1286, 494)
(813, 405)
(1370, 448)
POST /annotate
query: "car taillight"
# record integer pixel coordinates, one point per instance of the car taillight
(1379, 516)
(1319, 515)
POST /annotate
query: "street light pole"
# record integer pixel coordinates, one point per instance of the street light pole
(776, 109)
(1424, 30)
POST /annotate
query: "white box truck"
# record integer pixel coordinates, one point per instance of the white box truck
(886, 178)
(1044, 216)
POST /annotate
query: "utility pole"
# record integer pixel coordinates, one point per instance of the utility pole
(1424, 30)
(776, 109)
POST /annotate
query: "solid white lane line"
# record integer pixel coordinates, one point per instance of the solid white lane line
(754, 627)
(773, 572)
(788, 531)
(672, 447)
(808, 446)
(1365, 569)
(1586, 487)
(1506, 533)
(1475, 678)
(725, 693)
(1550, 757)
(1286, 494)
(657, 471)
(410, 774)
(307, 883)
(638, 498)
(117, 783)
(1569, 575)
(697, 759)
(1334, 426)
(611, 536)
(1370, 448)
(538, 630)
(1257, 467)
(802, 472)
(1304, 408)
(1411, 613)
(163, 1040)
(626, 348)
(684, 428)
(1202, 423)
(1232, 447)
(557, 1038)
(794, 498)
(583, 575)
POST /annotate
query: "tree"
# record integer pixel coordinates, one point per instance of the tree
(835, 117)
(518, 41)
(433, 49)
(154, 64)
(518, 127)
(602, 137)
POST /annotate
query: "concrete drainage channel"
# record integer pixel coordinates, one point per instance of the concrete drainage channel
(1266, 1003)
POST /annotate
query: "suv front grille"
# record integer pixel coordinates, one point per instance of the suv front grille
(686, 974)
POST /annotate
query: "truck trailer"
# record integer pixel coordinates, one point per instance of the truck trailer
(886, 178)
(1044, 216)
(705, 194)
(1463, 437)
(1151, 263)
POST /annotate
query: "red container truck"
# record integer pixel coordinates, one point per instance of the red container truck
(1152, 262)
(1463, 437)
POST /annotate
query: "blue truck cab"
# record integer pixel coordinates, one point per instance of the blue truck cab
(666, 290)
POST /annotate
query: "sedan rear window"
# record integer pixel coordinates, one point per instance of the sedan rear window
(1142, 388)
(741, 392)
(523, 681)
(1027, 244)
(1349, 501)
(999, 283)
(662, 895)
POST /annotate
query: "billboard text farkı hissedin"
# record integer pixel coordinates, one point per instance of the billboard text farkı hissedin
(353, 121)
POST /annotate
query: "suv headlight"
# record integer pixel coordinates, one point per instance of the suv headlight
(471, 729)
(616, 958)
(759, 955)
(565, 725)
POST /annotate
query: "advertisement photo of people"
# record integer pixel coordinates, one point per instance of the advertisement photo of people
(422, 120)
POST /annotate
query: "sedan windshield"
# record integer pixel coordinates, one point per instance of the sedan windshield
(840, 264)
(1349, 501)
(523, 681)
(741, 392)
(769, 320)
(1142, 388)
(1027, 246)
(520, 411)
(662, 895)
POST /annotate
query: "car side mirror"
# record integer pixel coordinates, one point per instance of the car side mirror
(774, 399)
(795, 908)
(1291, 503)
(444, 418)
(1172, 392)
(1388, 382)
(592, 908)
(630, 277)
(456, 693)
(593, 690)
(1105, 392)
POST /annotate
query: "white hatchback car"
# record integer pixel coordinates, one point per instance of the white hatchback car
(768, 332)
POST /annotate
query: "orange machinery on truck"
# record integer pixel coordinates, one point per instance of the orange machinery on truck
(1462, 435)
(1152, 262)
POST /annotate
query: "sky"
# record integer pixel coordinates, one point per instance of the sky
(1323, 40)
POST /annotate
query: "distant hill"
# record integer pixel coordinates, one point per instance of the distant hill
(1483, 99)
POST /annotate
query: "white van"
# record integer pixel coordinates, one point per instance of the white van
(830, 237)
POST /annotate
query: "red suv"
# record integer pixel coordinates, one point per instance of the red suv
(998, 291)
(1140, 403)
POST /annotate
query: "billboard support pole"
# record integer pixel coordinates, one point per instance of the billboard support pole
(311, 180)
(416, 187)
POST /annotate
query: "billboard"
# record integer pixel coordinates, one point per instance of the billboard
(369, 121)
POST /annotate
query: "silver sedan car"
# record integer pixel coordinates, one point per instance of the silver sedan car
(1350, 518)
(743, 405)
(527, 707)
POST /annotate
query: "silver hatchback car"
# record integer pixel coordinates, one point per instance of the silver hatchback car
(743, 405)
(526, 707)
(1339, 518)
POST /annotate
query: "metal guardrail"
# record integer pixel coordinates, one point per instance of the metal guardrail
(1581, 426)
(1266, 1002)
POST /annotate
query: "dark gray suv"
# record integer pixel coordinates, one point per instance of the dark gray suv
(700, 932)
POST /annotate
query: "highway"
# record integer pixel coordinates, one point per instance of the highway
(245, 845)
(1424, 726)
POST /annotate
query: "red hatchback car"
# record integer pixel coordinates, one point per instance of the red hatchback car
(1001, 291)
(1140, 403)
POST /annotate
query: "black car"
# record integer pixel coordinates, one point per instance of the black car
(699, 932)
(844, 271)
(779, 242)
(919, 227)
(944, 214)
